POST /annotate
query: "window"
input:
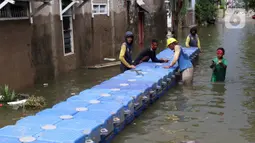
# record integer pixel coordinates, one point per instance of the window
(67, 24)
(99, 9)
(68, 35)
(19, 10)
(190, 4)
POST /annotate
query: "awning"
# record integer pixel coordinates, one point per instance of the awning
(144, 6)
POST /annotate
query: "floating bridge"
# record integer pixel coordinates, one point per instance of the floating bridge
(98, 114)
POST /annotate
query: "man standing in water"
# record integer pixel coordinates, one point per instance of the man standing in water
(185, 65)
(193, 39)
(126, 52)
(149, 53)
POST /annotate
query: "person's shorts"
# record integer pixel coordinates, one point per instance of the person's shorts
(187, 76)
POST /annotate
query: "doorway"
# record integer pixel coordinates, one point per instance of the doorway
(141, 28)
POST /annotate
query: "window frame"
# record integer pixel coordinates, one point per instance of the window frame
(70, 16)
(100, 4)
(190, 5)
(7, 8)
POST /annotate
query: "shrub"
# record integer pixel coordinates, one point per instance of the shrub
(222, 7)
(35, 102)
(7, 95)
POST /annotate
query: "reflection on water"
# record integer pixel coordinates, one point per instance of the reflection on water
(219, 88)
(209, 113)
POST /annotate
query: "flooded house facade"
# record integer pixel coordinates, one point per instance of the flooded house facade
(190, 15)
(42, 38)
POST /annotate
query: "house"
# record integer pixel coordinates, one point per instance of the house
(42, 38)
(169, 13)
(190, 15)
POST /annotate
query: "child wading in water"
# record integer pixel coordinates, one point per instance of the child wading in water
(219, 66)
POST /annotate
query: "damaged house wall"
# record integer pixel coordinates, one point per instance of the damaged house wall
(105, 32)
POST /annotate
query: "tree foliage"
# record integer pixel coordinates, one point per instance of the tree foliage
(250, 4)
(205, 11)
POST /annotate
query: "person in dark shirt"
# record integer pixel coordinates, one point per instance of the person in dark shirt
(149, 53)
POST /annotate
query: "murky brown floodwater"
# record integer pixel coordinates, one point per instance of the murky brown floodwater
(210, 113)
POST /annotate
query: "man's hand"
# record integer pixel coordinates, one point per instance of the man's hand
(165, 60)
(132, 67)
(167, 67)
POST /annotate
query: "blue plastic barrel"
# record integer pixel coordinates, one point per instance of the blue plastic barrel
(84, 97)
(19, 132)
(101, 116)
(61, 136)
(93, 91)
(57, 112)
(114, 108)
(128, 102)
(72, 105)
(39, 120)
(90, 128)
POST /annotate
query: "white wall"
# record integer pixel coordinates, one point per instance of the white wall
(193, 2)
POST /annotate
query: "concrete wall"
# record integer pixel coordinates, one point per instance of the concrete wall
(189, 18)
(104, 34)
(17, 69)
(42, 43)
(155, 23)
(47, 43)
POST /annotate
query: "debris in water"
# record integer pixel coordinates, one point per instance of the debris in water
(189, 142)
(35, 102)
(109, 59)
(195, 125)
(45, 84)
(23, 95)
(172, 117)
(171, 131)
(215, 113)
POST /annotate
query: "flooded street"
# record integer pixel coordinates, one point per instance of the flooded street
(209, 113)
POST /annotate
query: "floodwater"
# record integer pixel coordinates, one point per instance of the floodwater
(209, 113)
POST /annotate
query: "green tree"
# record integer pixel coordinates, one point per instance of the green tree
(249, 4)
(205, 11)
